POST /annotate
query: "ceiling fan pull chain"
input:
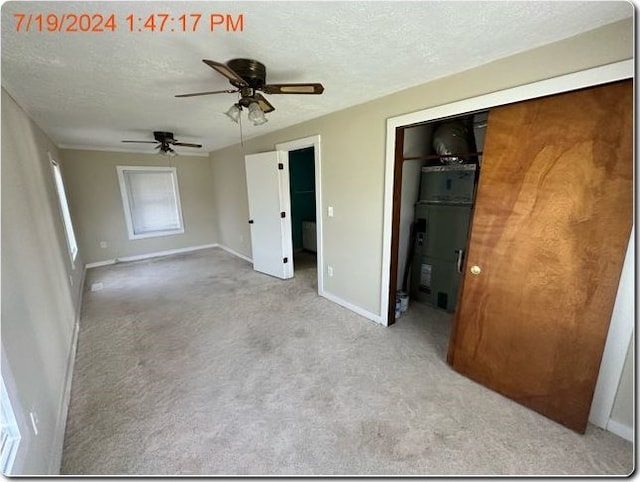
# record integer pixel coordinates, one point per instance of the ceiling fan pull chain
(241, 139)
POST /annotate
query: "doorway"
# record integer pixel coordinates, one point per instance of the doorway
(440, 168)
(396, 127)
(304, 162)
(303, 208)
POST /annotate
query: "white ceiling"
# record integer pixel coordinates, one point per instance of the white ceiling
(92, 90)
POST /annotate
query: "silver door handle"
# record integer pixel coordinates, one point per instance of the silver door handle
(460, 253)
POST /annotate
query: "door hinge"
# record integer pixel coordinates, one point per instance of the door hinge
(283, 214)
(280, 166)
(285, 260)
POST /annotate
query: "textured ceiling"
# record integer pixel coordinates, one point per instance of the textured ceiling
(94, 89)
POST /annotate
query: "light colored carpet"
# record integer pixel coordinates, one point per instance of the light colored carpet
(195, 364)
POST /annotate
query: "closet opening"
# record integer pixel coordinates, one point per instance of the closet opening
(436, 173)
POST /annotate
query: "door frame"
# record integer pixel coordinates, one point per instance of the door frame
(294, 145)
(393, 178)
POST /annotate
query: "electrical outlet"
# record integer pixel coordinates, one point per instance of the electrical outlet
(96, 286)
(103, 244)
(330, 270)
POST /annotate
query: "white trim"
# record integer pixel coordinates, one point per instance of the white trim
(61, 422)
(126, 205)
(235, 253)
(620, 430)
(354, 308)
(564, 83)
(63, 209)
(11, 436)
(315, 142)
(618, 339)
(149, 255)
(97, 264)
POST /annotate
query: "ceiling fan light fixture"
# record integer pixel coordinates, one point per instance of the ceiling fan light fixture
(234, 113)
(256, 115)
(167, 151)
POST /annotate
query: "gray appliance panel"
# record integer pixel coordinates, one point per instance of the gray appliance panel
(446, 230)
(451, 184)
(435, 282)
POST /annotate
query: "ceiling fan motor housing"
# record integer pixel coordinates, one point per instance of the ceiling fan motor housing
(252, 71)
(163, 137)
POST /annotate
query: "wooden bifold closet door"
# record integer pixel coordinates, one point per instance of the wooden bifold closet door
(551, 224)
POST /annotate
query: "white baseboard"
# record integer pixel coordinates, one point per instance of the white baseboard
(157, 254)
(97, 264)
(352, 307)
(620, 430)
(235, 253)
(61, 422)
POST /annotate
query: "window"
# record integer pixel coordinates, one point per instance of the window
(151, 201)
(9, 433)
(72, 245)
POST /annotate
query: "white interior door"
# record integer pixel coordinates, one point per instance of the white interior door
(270, 213)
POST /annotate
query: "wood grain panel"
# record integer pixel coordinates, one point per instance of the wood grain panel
(395, 223)
(552, 220)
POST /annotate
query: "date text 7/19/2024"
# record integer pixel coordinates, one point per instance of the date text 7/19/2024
(110, 22)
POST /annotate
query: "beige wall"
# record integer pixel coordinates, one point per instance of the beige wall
(353, 151)
(96, 203)
(623, 407)
(40, 290)
(230, 196)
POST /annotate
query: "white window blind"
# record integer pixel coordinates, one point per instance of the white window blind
(151, 201)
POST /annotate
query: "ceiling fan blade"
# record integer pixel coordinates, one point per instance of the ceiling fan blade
(293, 89)
(228, 91)
(227, 72)
(264, 104)
(142, 142)
(186, 144)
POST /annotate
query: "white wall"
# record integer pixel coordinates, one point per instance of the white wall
(613, 405)
(623, 407)
(409, 196)
(40, 291)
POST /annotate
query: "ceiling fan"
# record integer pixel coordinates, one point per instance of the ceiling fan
(164, 141)
(249, 77)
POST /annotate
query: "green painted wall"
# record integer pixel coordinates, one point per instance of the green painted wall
(302, 186)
